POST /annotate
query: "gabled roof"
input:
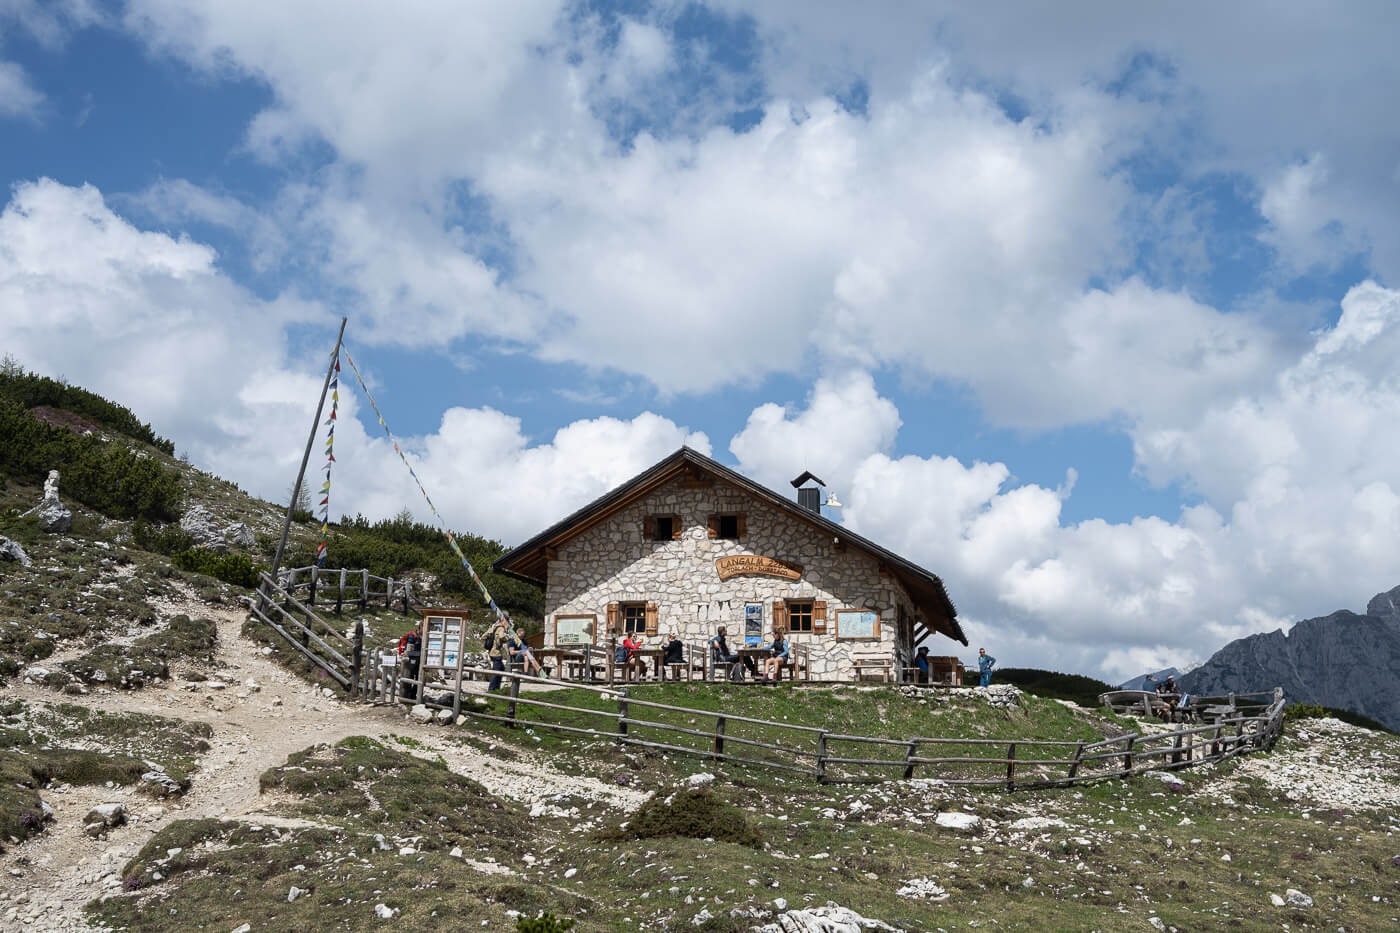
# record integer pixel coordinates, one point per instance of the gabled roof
(529, 561)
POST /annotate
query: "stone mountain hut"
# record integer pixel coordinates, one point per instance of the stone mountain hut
(689, 545)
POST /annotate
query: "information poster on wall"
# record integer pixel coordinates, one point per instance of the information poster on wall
(753, 624)
(574, 630)
(442, 642)
(857, 623)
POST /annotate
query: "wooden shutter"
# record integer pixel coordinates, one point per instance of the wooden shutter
(819, 617)
(743, 525)
(714, 526)
(675, 527)
(613, 614)
(651, 618)
(648, 528)
(780, 614)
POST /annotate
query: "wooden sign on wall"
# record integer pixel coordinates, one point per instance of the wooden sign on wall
(753, 564)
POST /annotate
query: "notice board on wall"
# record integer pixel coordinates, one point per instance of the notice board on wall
(857, 623)
(443, 641)
(753, 624)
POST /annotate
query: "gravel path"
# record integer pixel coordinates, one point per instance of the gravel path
(49, 878)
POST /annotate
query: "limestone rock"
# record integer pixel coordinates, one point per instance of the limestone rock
(421, 713)
(53, 515)
(108, 814)
(11, 550)
(1296, 898)
(444, 716)
(161, 782)
(384, 911)
(829, 919)
(702, 779)
(958, 821)
(239, 535)
(201, 526)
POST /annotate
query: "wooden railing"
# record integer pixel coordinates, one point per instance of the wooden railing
(342, 585)
(823, 755)
(340, 657)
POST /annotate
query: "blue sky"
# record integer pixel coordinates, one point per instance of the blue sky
(1084, 310)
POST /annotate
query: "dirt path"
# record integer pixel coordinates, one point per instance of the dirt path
(48, 879)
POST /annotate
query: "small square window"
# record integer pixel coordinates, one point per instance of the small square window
(799, 615)
(663, 528)
(634, 618)
(729, 527)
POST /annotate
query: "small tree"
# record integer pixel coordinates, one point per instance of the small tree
(301, 497)
(10, 367)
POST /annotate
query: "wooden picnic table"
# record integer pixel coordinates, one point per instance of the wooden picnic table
(561, 657)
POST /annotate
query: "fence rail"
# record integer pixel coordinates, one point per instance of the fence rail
(828, 757)
(343, 584)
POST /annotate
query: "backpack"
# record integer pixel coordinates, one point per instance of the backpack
(488, 640)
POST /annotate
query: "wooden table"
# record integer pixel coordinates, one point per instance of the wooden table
(656, 654)
(561, 656)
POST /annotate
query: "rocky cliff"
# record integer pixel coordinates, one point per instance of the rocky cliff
(1344, 660)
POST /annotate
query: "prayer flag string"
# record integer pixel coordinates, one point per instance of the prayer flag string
(325, 503)
(451, 541)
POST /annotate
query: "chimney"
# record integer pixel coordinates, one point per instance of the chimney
(809, 497)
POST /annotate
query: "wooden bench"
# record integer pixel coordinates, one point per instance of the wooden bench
(874, 661)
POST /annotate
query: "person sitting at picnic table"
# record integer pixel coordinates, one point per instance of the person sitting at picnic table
(921, 664)
(1151, 684)
(519, 650)
(626, 657)
(773, 664)
(721, 648)
(985, 663)
(674, 654)
(1171, 696)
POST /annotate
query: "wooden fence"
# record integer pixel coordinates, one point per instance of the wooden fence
(831, 757)
(342, 585)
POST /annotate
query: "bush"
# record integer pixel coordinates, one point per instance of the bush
(167, 539)
(111, 478)
(694, 814)
(393, 547)
(237, 569)
(545, 923)
(29, 390)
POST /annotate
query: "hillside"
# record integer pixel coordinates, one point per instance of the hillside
(254, 797)
(1342, 660)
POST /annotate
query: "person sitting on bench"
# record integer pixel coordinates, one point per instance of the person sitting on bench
(773, 664)
(721, 649)
(628, 658)
(675, 653)
(520, 651)
(921, 664)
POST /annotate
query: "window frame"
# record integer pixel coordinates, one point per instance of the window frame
(810, 613)
(716, 520)
(622, 607)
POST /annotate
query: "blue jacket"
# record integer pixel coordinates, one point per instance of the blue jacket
(985, 663)
(780, 648)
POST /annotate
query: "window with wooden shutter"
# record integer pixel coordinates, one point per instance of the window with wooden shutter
(652, 613)
(634, 618)
(819, 617)
(780, 615)
(612, 618)
(713, 528)
(648, 529)
(741, 521)
(799, 615)
(676, 527)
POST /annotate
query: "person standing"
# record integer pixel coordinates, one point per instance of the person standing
(496, 644)
(921, 664)
(985, 663)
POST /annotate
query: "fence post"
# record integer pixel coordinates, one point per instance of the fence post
(612, 653)
(909, 759)
(1074, 764)
(1128, 755)
(405, 598)
(1147, 706)
(514, 692)
(719, 737)
(621, 713)
(364, 589)
(821, 757)
(389, 593)
(1232, 701)
(1011, 766)
(359, 655)
(311, 593)
(340, 593)
(1176, 749)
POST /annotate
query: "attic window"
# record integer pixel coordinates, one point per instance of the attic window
(727, 526)
(661, 528)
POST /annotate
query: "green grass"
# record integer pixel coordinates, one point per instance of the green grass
(148, 657)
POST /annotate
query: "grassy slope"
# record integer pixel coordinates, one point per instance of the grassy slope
(1127, 851)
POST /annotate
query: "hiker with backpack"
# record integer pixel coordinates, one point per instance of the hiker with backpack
(410, 663)
(495, 642)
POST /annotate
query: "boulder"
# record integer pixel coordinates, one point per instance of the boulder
(444, 716)
(10, 550)
(162, 783)
(421, 713)
(701, 779)
(958, 821)
(201, 526)
(829, 919)
(53, 515)
(110, 814)
(239, 535)
(1296, 898)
